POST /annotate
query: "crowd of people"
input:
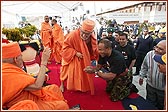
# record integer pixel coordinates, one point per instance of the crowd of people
(116, 50)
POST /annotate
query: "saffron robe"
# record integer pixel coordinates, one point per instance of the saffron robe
(72, 67)
(14, 80)
(45, 34)
(58, 38)
(25, 105)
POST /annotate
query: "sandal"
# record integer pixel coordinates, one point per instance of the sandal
(76, 107)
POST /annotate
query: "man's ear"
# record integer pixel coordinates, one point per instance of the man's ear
(15, 59)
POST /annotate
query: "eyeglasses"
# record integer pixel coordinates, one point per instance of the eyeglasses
(86, 33)
(157, 47)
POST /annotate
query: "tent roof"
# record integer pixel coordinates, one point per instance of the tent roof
(13, 11)
(36, 8)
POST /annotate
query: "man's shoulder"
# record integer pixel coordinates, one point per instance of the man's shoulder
(117, 48)
(117, 54)
(149, 36)
(10, 67)
(130, 47)
(74, 34)
(150, 54)
(57, 26)
(43, 23)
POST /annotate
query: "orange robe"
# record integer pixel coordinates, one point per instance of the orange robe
(73, 67)
(58, 38)
(14, 80)
(25, 105)
(45, 34)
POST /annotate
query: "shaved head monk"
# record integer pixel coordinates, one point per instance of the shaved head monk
(20, 91)
(58, 38)
(46, 34)
(79, 48)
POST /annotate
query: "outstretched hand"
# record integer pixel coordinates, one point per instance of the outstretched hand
(46, 54)
(89, 69)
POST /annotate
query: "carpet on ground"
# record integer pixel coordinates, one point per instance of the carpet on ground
(99, 101)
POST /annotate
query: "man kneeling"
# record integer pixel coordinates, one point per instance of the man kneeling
(119, 79)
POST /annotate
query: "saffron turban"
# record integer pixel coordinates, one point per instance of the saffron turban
(88, 25)
(10, 50)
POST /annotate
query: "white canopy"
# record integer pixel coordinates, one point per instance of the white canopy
(29, 8)
(12, 11)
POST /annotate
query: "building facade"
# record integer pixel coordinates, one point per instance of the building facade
(151, 12)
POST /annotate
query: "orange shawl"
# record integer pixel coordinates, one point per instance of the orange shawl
(14, 80)
(72, 66)
(46, 34)
(58, 38)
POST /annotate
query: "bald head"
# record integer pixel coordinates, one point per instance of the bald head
(163, 43)
(53, 22)
(160, 48)
(45, 16)
(46, 19)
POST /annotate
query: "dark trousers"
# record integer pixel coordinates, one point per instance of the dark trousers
(139, 60)
(155, 96)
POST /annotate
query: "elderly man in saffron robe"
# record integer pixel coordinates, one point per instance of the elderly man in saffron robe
(79, 48)
(20, 91)
(46, 35)
(58, 38)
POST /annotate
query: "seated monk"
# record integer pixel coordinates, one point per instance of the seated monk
(20, 91)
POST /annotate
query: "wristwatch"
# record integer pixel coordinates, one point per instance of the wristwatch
(96, 72)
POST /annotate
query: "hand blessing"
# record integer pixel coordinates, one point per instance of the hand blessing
(89, 69)
(46, 54)
(79, 55)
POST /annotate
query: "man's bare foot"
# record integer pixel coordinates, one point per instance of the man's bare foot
(49, 62)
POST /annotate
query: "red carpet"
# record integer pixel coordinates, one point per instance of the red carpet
(99, 101)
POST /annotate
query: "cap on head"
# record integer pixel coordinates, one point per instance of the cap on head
(160, 58)
(10, 50)
(88, 25)
(110, 29)
(163, 30)
(151, 29)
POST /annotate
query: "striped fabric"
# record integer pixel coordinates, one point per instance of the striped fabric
(150, 69)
